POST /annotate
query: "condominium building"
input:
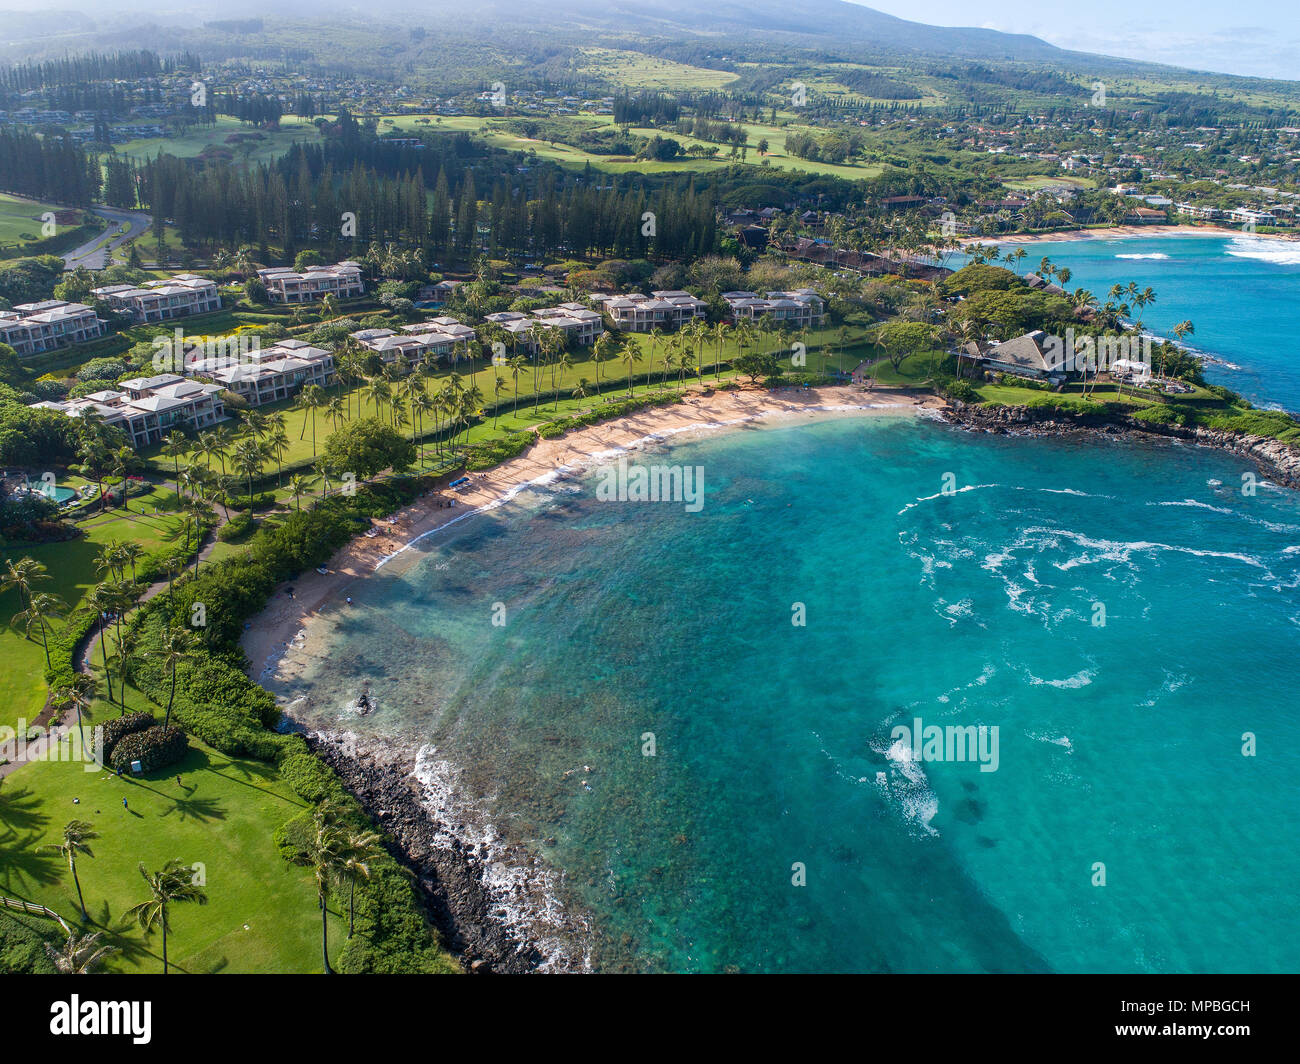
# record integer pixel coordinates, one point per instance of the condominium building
(148, 408)
(269, 374)
(635, 312)
(342, 280)
(432, 339)
(31, 328)
(175, 297)
(581, 326)
(802, 309)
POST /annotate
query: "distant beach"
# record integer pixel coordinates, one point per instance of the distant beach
(1120, 231)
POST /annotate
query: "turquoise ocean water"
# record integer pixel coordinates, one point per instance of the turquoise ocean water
(1239, 291)
(1119, 744)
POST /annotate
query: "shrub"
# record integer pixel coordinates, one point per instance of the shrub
(310, 778)
(1159, 414)
(237, 528)
(154, 748)
(115, 729)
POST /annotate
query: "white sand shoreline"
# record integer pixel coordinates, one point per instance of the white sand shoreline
(286, 619)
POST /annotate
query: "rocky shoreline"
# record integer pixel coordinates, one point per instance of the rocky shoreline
(450, 874)
(1277, 461)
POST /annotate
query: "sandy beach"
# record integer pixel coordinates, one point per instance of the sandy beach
(286, 616)
(1118, 232)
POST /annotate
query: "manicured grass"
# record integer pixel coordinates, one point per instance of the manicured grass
(566, 155)
(71, 567)
(261, 914)
(20, 219)
(193, 142)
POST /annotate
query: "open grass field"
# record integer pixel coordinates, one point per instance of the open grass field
(255, 145)
(636, 70)
(20, 219)
(566, 155)
(261, 914)
(1030, 184)
(71, 567)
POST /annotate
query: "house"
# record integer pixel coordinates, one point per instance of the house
(635, 312)
(31, 328)
(176, 297)
(342, 280)
(269, 374)
(437, 295)
(149, 408)
(1025, 356)
(1146, 216)
(802, 309)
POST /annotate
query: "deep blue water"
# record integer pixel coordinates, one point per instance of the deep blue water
(1242, 293)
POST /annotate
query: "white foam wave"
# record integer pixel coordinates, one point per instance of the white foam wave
(1149, 255)
(1264, 249)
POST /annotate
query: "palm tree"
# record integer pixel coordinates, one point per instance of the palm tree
(124, 462)
(358, 850)
(631, 356)
(77, 695)
(177, 646)
(131, 552)
(109, 599)
(311, 400)
(498, 386)
(580, 392)
(422, 404)
(299, 485)
(23, 574)
(1182, 329)
(41, 609)
(77, 836)
(79, 954)
(324, 855)
(247, 461)
(565, 363)
(515, 363)
(175, 444)
(174, 885)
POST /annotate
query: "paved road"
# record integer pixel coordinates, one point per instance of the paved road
(93, 254)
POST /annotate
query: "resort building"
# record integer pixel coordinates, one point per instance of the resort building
(635, 312)
(1025, 356)
(269, 374)
(342, 280)
(802, 309)
(148, 408)
(424, 340)
(176, 297)
(579, 325)
(31, 328)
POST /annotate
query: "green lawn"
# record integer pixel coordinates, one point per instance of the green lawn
(255, 145)
(20, 219)
(71, 567)
(261, 914)
(617, 164)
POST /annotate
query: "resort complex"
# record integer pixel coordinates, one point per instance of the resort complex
(431, 439)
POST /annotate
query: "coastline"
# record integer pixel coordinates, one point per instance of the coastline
(270, 634)
(1122, 232)
(497, 905)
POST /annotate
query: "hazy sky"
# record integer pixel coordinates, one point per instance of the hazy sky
(1259, 37)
